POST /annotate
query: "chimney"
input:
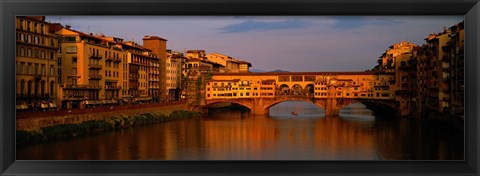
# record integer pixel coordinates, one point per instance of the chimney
(67, 26)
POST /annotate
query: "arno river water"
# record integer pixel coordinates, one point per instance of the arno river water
(356, 134)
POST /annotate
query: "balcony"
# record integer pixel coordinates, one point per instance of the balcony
(72, 97)
(153, 72)
(82, 86)
(109, 59)
(117, 60)
(134, 77)
(112, 87)
(94, 66)
(95, 76)
(96, 57)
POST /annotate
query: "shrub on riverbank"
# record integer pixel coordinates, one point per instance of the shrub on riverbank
(65, 131)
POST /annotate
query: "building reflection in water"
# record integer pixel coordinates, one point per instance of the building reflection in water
(356, 134)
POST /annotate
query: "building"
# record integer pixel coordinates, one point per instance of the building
(436, 98)
(230, 64)
(455, 57)
(90, 69)
(158, 46)
(175, 62)
(244, 66)
(143, 73)
(387, 60)
(195, 54)
(36, 64)
(432, 80)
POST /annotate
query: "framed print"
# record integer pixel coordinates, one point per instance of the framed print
(240, 87)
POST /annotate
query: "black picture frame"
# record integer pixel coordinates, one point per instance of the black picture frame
(9, 9)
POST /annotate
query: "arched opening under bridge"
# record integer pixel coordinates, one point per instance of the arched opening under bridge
(296, 109)
(223, 107)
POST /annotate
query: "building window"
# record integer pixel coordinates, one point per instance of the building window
(52, 88)
(42, 54)
(21, 25)
(71, 49)
(74, 71)
(36, 69)
(52, 70)
(69, 38)
(29, 88)
(74, 60)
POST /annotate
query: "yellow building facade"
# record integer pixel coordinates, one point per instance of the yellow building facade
(91, 69)
(36, 64)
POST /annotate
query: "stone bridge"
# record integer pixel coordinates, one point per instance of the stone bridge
(329, 90)
(332, 106)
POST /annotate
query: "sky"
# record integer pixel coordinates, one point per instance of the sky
(291, 43)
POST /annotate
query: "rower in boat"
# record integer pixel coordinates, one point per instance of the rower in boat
(294, 113)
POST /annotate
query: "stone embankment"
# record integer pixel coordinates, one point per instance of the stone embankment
(37, 129)
(30, 121)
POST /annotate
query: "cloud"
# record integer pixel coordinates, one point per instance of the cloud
(251, 25)
(351, 22)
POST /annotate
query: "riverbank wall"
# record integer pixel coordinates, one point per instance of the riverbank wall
(36, 121)
(117, 121)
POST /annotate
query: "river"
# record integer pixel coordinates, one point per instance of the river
(356, 134)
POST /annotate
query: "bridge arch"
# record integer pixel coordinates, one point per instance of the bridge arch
(284, 89)
(273, 103)
(297, 89)
(377, 106)
(309, 89)
(213, 103)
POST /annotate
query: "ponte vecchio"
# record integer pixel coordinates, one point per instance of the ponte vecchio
(329, 90)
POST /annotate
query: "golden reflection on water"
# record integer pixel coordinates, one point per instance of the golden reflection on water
(354, 135)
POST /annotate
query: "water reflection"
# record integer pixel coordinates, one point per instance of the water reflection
(236, 135)
(299, 110)
(357, 112)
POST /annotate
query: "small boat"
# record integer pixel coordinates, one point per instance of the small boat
(294, 113)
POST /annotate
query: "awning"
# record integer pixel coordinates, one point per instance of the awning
(142, 99)
(52, 105)
(92, 102)
(44, 105)
(22, 107)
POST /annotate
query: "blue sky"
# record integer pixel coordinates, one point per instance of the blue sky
(293, 43)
